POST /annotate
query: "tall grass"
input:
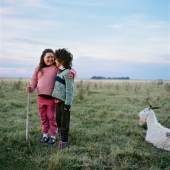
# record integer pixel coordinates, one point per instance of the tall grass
(104, 131)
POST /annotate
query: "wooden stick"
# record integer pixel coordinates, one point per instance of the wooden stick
(27, 118)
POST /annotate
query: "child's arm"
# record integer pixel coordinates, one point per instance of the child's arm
(33, 83)
(69, 92)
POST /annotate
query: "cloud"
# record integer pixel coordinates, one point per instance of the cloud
(30, 26)
(115, 26)
(30, 41)
(15, 72)
(28, 3)
(6, 11)
(25, 38)
(88, 66)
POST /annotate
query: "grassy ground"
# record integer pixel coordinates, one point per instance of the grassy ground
(104, 131)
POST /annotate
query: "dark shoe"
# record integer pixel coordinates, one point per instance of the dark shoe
(52, 141)
(62, 145)
(44, 139)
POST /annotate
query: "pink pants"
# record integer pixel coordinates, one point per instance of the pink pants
(46, 109)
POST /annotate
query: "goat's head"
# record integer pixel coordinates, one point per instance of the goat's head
(144, 114)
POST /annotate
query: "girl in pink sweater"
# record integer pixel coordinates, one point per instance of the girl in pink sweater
(43, 80)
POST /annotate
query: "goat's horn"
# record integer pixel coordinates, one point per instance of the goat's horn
(154, 107)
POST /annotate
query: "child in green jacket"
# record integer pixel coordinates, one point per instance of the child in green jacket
(63, 92)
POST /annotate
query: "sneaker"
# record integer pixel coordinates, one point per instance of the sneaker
(62, 145)
(52, 141)
(44, 139)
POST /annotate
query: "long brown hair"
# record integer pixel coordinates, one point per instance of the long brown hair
(42, 64)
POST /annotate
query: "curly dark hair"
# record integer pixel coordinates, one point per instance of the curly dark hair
(42, 64)
(65, 57)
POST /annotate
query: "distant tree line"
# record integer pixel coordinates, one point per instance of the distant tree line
(110, 78)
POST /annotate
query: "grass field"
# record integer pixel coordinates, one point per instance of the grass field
(104, 131)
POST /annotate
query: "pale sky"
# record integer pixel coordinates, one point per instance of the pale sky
(107, 38)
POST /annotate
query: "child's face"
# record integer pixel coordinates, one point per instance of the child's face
(49, 59)
(58, 64)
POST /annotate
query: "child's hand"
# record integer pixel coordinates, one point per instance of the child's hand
(67, 108)
(29, 89)
(72, 74)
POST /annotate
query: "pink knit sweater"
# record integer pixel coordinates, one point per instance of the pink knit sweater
(44, 80)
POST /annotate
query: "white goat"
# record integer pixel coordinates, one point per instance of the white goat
(156, 134)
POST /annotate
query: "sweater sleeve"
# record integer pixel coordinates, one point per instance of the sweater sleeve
(34, 79)
(69, 90)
